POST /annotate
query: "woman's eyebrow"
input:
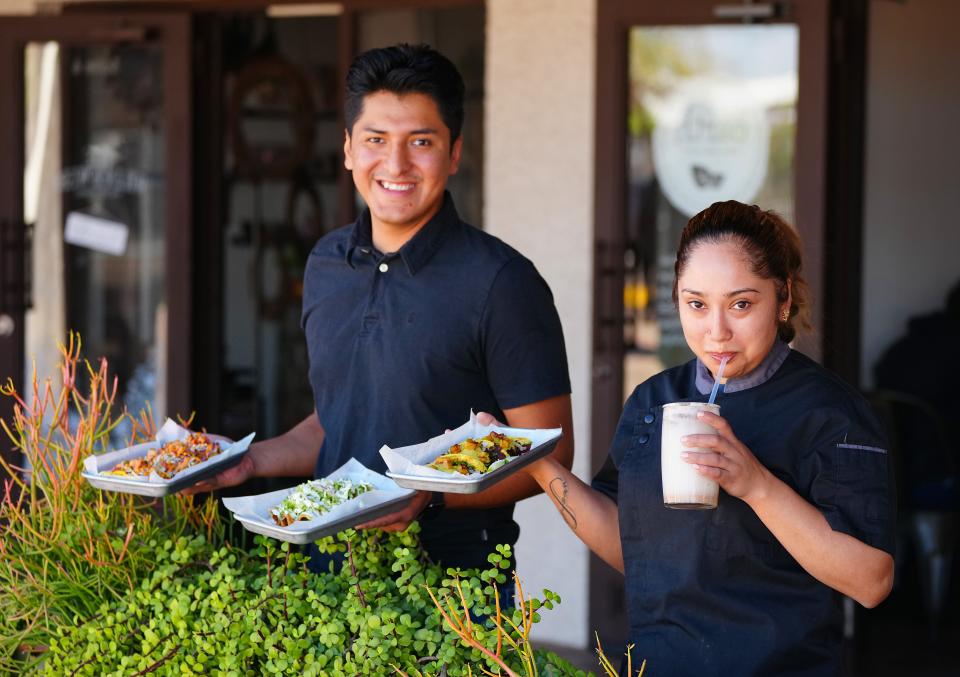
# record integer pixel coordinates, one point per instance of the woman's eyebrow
(735, 292)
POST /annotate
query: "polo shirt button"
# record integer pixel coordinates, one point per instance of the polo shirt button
(384, 267)
(648, 418)
(644, 439)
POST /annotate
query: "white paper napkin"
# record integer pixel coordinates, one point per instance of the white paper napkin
(257, 508)
(169, 432)
(412, 460)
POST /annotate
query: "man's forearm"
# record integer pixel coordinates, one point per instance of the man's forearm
(293, 454)
(552, 413)
(509, 490)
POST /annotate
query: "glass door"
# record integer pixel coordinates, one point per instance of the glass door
(711, 116)
(96, 201)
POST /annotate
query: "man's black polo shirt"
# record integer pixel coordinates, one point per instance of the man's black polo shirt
(403, 345)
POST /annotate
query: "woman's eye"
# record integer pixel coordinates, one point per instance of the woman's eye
(696, 305)
(742, 305)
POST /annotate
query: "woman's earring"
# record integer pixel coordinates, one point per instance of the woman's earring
(785, 315)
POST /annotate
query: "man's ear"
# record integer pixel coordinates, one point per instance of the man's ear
(455, 155)
(347, 157)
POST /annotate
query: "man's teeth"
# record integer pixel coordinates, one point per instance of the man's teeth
(389, 185)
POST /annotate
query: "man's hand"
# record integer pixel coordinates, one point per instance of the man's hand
(230, 477)
(400, 520)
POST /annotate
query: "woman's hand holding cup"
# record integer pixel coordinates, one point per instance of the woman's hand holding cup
(728, 461)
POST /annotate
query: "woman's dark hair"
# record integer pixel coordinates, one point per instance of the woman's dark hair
(406, 69)
(769, 243)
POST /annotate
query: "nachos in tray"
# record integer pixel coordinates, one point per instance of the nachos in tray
(169, 459)
(481, 455)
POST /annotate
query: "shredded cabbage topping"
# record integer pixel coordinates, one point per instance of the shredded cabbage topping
(314, 498)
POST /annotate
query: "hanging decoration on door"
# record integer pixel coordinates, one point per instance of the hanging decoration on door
(710, 142)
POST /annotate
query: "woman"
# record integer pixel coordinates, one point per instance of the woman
(805, 508)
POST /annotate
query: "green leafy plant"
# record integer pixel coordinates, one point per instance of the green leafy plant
(219, 611)
(65, 546)
(101, 583)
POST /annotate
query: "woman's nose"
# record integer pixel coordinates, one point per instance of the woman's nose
(719, 327)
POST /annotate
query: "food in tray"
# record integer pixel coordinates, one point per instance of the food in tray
(481, 455)
(170, 458)
(314, 498)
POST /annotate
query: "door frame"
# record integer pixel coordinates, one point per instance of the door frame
(614, 20)
(173, 32)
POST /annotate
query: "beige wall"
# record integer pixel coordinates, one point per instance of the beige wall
(538, 196)
(911, 221)
(17, 6)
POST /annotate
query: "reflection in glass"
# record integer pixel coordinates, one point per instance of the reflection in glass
(711, 116)
(93, 188)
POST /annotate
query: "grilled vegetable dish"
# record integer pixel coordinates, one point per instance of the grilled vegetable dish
(314, 498)
(481, 455)
(169, 459)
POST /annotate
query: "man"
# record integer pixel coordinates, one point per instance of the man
(413, 317)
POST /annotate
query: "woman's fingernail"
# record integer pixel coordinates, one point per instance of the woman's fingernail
(685, 439)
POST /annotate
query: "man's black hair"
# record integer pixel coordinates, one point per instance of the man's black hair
(406, 69)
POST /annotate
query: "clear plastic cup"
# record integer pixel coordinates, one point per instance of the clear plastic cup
(683, 486)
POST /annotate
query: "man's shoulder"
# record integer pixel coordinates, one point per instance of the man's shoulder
(481, 246)
(334, 243)
(495, 264)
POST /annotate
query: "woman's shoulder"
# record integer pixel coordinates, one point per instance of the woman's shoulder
(822, 399)
(670, 385)
(810, 379)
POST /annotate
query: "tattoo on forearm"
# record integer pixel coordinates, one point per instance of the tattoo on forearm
(558, 487)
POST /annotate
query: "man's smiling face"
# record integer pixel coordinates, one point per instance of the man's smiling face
(401, 155)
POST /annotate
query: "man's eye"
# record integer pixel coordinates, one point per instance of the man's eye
(374, 139)
(421, 142)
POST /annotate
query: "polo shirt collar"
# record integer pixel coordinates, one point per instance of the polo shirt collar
(417, 252)
(761, 374)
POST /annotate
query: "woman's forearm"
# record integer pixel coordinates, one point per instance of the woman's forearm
(592, 516)
(838, 560)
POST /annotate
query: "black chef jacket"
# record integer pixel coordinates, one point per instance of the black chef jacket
(712, 592)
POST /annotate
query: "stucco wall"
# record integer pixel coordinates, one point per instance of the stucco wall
(911, 222)
(17, 6)
(538, 196)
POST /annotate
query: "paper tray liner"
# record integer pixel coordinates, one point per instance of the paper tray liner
(386, 497)
(407, 466)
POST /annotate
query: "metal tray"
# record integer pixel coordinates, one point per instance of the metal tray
(327, 528)
(476, 482)
(129, 485)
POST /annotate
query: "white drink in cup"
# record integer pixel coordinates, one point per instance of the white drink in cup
(683, 486)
